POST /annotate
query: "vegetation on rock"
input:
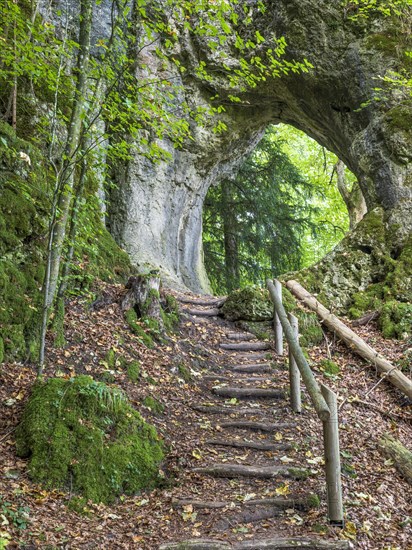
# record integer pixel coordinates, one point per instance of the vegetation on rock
(250, 304)
(81, 434)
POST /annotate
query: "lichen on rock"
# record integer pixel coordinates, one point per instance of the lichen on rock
(81, 434)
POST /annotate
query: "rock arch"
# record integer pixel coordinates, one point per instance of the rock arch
(156, 211)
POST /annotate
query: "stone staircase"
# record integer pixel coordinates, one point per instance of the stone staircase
(245, 402)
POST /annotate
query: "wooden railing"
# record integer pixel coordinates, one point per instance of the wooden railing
(324, 399)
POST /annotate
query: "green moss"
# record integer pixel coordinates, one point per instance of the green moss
(367, 300)
(79, 505)
(58, 324)
(400, 116)
(396, 320)
(313, 501)
(329, 367)
(133, 371)
(1, 350)
(25, 201)
(137, 328)
(263, 330)
(405, 362)
(184, 372)
(110, 359)
(299, 473)
(250, 304)
(153, 404)
(81, 434)
(310, 331)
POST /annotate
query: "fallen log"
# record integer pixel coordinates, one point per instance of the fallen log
(251, 356)
(196, 544)
(401, 456)
(292, 543)
(368, 318)
(248, 393)
(256, 367)
(240, 336)
(216, 302)
(261, 472)
(199, 504)
(228, 410)
(257, 426)
(255, 445)
(353, 341)
(202, 312)
(246, 346)
(219, 378)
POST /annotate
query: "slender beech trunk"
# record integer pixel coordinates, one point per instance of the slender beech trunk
(354, 199)
(65, 177)
(78, 196)
(230, 238)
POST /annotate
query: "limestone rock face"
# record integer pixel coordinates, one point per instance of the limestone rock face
(156, 211)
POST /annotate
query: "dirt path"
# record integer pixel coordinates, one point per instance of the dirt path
(236, 466)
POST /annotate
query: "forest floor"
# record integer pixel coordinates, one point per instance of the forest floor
(377, 499)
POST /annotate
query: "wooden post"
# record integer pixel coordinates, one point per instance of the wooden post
(294, 374)
(332, 459)
(277, 323)
(312, 386)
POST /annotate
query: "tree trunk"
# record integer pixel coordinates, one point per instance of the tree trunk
(354, 342)
(65, 177)
(230, 238)
(143, 294)
(354, 199)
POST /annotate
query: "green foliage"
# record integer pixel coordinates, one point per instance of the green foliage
(329, 367)
(24, 202)
(280, 214)
(19, 516)
(250, 303)
(310, 330)
(82, 434)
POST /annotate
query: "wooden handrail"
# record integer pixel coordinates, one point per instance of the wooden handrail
(309, 380)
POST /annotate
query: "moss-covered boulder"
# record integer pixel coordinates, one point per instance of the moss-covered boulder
(81, 434)
(367, 271)
(249, 304)
(396, 320)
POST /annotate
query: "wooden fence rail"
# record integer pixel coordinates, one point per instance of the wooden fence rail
(324, 400)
